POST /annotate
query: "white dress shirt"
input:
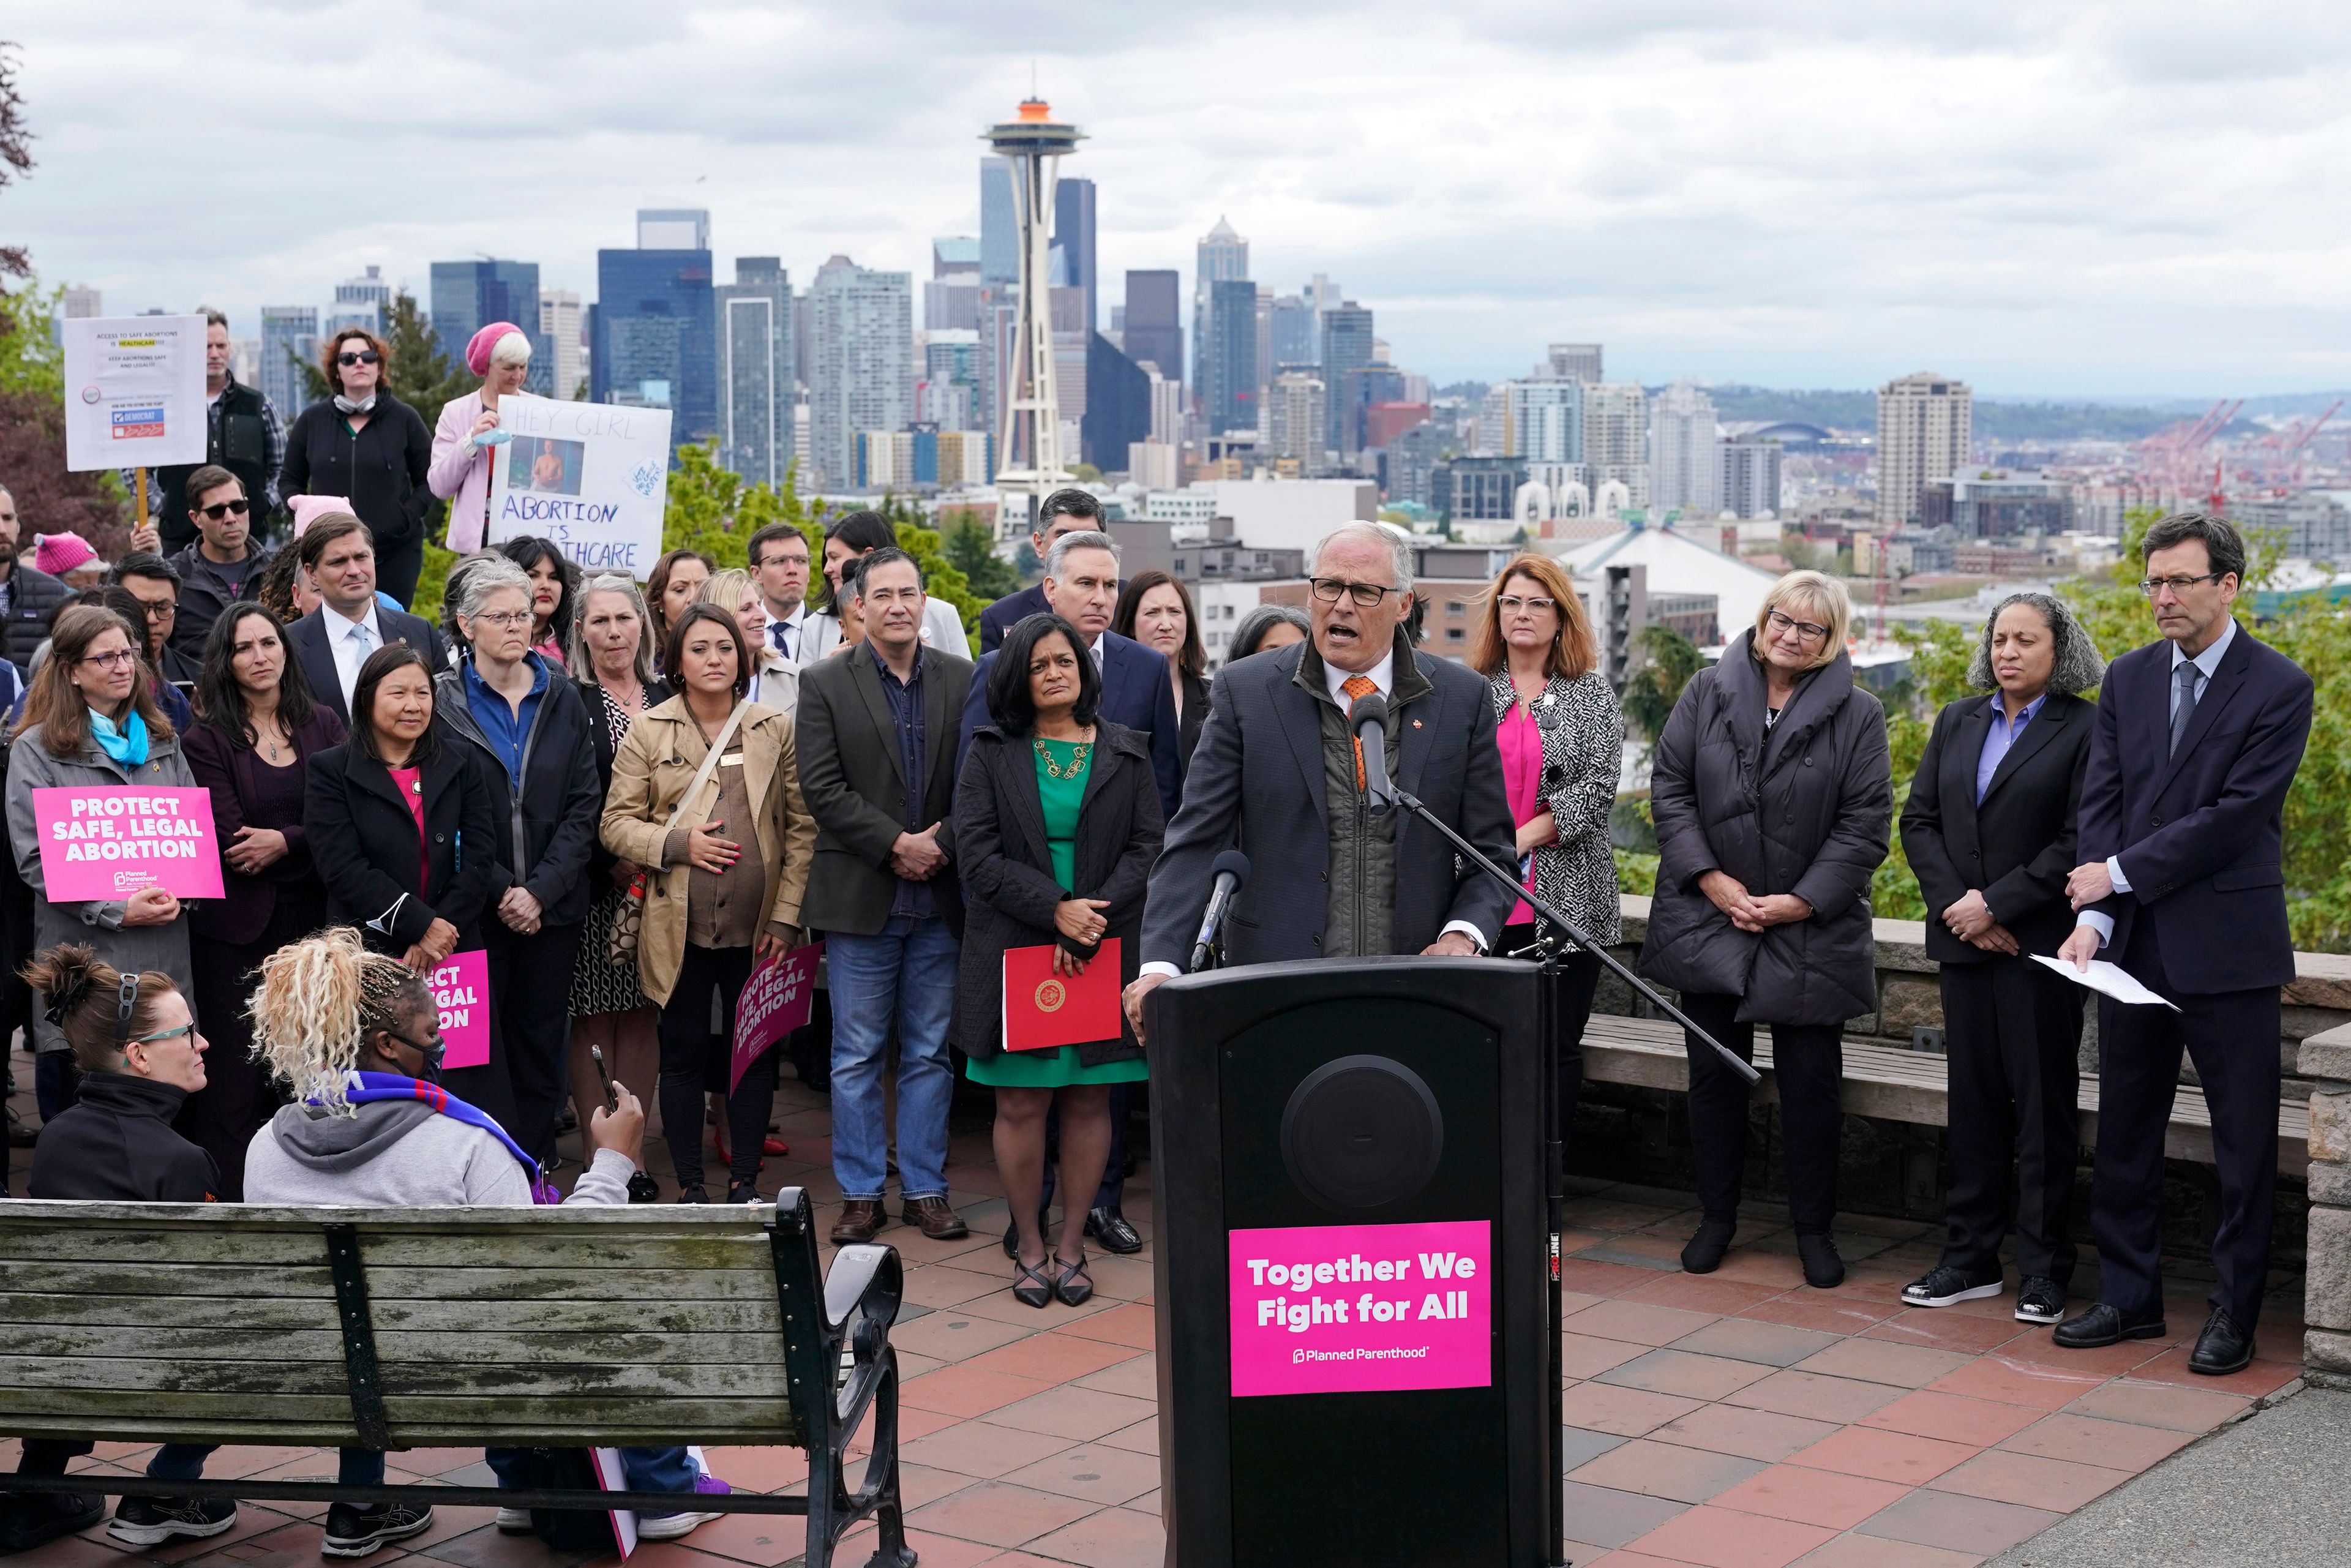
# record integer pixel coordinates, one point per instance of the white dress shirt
(2208, 665)
(353, 641)
(795, 627)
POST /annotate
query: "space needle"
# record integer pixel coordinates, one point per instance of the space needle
(1032, 143)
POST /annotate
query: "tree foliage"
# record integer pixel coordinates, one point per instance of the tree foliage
(1668, 660)
(49, 500)
(971, 545)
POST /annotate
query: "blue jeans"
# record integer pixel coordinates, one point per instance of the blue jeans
(908, 973)
(361, 1468)
(645, 1470)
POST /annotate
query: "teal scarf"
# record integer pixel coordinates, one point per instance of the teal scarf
(128, 745)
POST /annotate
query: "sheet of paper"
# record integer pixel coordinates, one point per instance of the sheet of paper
(2109, 980)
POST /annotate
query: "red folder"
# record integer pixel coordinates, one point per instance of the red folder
(1042, 1009)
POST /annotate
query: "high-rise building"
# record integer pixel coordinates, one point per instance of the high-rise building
(1068, 304)
(1346, 346)
(83, 302)
(1926, 423)
(1167, 409)
(1074, 242)
(999, 226)
(1118, 404)
(1297, 420)
(467, 295)
(1153, 464)
(951, 294)
(289, 339)
(1751, 478)
(861, 362)
(1412, 459)
(1616, 437)
(1297, 337)
(673, 228)
(754, 370)
(1575, 362)
(559, 322)
(1384, 422)
(1154, 332)
(1684, 452)
(1228, 357)
(948, 394)
(952, 255)
(1222, 256)
(1542, 421)
(361, 301)
(653, 331)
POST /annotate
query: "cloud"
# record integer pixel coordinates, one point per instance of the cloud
(2124, 199)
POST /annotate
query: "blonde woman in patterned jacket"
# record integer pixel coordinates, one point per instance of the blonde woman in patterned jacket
(1562, 744)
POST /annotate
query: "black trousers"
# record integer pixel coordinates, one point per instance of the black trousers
(687, 1048)
(1808, 1062)
(396, 572)
(530, 985)
(2233, 1037)
(2011, 1030)
(1579, 977)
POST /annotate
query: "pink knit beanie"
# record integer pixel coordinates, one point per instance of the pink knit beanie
(478, 347)
(58, 554)
(308, 509)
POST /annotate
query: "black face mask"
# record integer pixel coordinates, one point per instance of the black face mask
(431, 1052)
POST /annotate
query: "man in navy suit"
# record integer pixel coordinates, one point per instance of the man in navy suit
(1081, 586)
(2196, 741)
(334, 640)
(1064, 512)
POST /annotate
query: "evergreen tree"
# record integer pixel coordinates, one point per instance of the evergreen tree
(972, 548)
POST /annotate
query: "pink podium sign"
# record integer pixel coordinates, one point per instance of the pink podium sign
(1355, 1309)
(461, 992)
(103, 843)
(776, 1001)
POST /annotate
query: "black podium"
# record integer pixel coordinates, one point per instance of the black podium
(1355, 1287)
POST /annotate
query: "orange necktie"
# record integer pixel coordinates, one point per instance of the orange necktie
(1357, 688)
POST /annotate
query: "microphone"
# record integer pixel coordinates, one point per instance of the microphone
(1369, 718)
(1231, 869)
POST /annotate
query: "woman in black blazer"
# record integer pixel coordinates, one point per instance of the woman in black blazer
(403, 824)
(1155, 609)
(1988, 831)
(256, 731)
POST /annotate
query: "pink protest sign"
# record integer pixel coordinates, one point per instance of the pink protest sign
(106, 842)
(1351, 1308)
(776, 1001)
(460, 990)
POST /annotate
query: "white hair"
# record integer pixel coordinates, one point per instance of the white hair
(1068, 542)
(486, 578)
(1394, 540)
(513, 348)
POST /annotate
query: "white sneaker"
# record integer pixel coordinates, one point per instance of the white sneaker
(513, 1522)
(670, 1526)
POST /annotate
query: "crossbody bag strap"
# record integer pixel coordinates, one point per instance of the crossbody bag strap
(703, 775)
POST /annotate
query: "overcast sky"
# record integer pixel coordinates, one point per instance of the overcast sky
(2138, 199)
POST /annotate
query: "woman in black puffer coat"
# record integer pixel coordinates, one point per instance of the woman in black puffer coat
(1773, 801)
(366, 445)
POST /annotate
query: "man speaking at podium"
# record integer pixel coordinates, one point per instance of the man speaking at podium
(1279, 774)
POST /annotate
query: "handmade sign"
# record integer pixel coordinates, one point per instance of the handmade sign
(1043, 1010)
(776, 1001)
(134, 391)
(592, 476)
(1347, 1308)
(461, 992)
(102, 842)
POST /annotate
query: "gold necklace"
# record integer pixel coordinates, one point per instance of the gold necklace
(1053, 769)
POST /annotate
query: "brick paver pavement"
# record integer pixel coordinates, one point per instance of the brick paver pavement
(1740, 1420)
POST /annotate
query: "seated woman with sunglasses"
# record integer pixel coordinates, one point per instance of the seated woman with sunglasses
(223, 566)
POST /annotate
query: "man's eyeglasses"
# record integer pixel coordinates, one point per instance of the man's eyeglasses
(114, 661)
(220, 509)
(161, 608)
(1510, 604)
(357, 357)
(2148, 585)
(1812, 631)
(1365, 594)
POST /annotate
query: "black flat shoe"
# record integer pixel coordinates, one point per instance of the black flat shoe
(2102, 1325)
(1702, 1254)
(643, 1188)
(1109, 1228)
(1031, 1287)
(1823, 1269)
(743, 1192)
(2223, 1348)
(691, 1192)
(1074, 1285)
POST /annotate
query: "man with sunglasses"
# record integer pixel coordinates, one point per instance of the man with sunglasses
(243, 433)
(223, 566)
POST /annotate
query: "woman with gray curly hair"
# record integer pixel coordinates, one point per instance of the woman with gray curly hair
(1989, 830)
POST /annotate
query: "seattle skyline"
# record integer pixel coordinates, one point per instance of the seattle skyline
(2121, 203)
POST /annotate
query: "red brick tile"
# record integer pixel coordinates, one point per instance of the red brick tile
(1626, 1412)
(1746, 1339)
(1750, 1433)
(1751, 1266)
(1661, 1469)
(1137, 1377)
(1081, 1414)
(1606, 1517)
(1700, 1293)
(952, 1335)
(1129, 1324)
(763, 1469)
(998, 1515)
(1862, 1551)
(2259, 1379)
(2113, 1445)
(1815, 1395)
(1979, 1423)
(1051, 1357)
(2022, 1479)
(1822, 1498)
(1723, 1538)
(1946, 1331)
(1142, 1438)
(1680, 1371)
(1114, 1538)
(1874, 1361)
(2160, 1404)
(1953, 1523)
(2015, 1382)
(1586, 1356)
(968, 1390)
(1638, 1323)
(981, 1449)
(1884, 1455)
(2106, 1361)
(1091, 1473)
(1595, 1279)
(1805, 1312)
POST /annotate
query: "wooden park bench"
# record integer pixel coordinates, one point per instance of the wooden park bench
(389, 1329)
(1894, 1084)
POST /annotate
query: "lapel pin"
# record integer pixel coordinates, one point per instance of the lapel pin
(1415, 724)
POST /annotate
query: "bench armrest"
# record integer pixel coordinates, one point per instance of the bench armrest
(864, 1279)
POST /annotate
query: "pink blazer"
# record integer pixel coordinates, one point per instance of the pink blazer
(460, 472)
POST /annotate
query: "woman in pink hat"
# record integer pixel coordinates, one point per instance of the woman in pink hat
(469, 438)
(68, 558)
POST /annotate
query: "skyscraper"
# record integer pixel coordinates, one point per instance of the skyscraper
(653, 329)
(673, 228)
(289, 333)
(861, 362)
(467, 295)
(999, 226)
(1576, 361)
(1154, 328)
(1684, 452)
(1222, 256)
(754, 370)
(1751, 478)
(1926, 423)
(1074, 242)
(1118, 404)
(1542, 421)
(1296, 420)
(559, 320)
(1297, 339)
(1346, 346)
(1616, 437)
(1228, 357)
(951, 294)
(950, 392)
(360, 301)
(83, 300)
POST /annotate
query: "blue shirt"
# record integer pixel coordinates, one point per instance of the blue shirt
(906, 698)
(505, 727)
(2001, 736)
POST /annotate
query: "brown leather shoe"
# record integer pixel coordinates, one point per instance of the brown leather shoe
(861, 1219)
(939, 1222)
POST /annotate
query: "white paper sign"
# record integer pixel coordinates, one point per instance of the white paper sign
(2109, 980)
(592, 476)
(134, 391)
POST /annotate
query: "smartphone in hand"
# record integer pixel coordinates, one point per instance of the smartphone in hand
(604, 1076)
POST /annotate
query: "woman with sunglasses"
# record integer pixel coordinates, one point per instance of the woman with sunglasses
(365, 444)
(91, 720)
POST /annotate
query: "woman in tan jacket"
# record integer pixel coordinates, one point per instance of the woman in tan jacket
(711, 912)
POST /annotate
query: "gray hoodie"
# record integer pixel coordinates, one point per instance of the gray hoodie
(401, 1154)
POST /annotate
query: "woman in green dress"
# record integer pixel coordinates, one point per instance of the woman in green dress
(1057, 821)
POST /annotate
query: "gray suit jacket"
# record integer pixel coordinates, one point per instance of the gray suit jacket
(1257, 783)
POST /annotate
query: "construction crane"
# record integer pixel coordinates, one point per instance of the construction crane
(2174, 455)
